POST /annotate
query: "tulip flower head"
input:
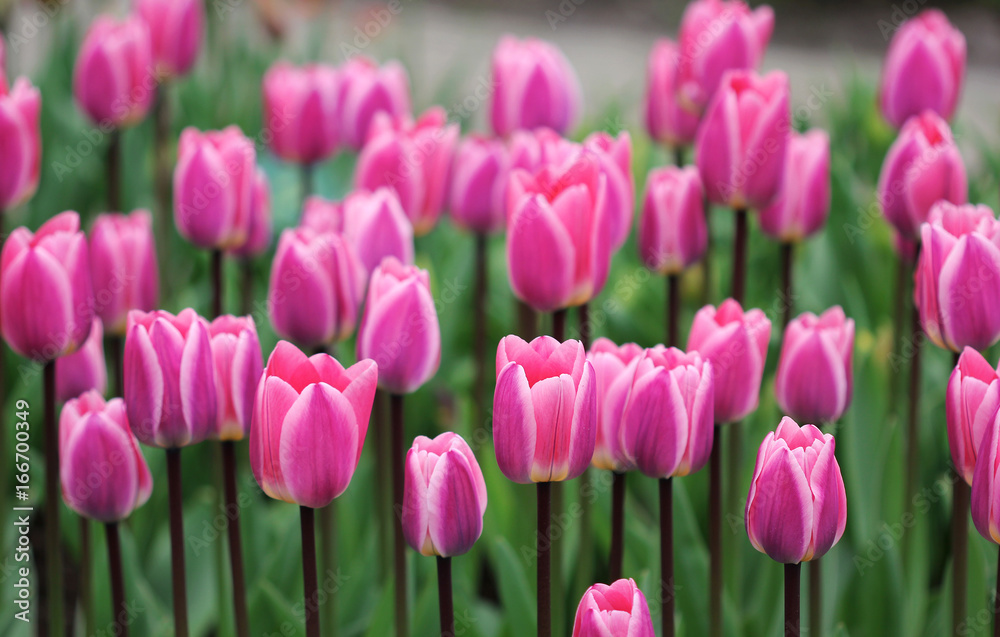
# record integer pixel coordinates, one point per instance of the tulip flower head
(666, 120)
(673, 230)
(803, 202)
(614, 156)
(985, 487)
(114, 79)
(123, 267)
(613, 373)
(84, 369)
(261, 226)
(479, 184)
(175, 29)
(616, 609)
(20, 141)
(300, 111)
(238, 365)
(366, 90)
(971, 405)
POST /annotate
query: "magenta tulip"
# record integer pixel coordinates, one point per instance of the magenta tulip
(479, 184)
(614, 156)
(175, 31)
(803, 201)
(797, 507)
(666, 120)
(616, 610)
(985, 492)
(673, 230)
(261, 226)
(114, 80)
(971, 405)
(84, 369)
(20, 142)
(238, 365)
(300, 111)
(613, 373)
(123, 267)
(366, 90)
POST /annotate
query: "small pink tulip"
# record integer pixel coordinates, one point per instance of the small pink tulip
(310, 418)
(803, 201)
(123, 267)
(84, 369)
(534, 86)
(971, 404)
(20, 142)
(958, 277)
(367, 89)
(618, 609)
(815, 372)
(238, 365)
(924, 68)
(613, 373)
(261, 226)
(479, 184)
(614, 155)
(45, 286)
(175, 31)
(741, 145)
(673, 230)
(103, 474)
(444, 497)
(400, 330)
(544, 409)
(169, 375)
(923, 166)
(666, 120)
(797, 507)
(735, 342)
(300, 111)
(114, 79)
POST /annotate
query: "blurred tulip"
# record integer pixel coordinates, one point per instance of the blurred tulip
(479, 184)
(803, 201)
(261, 226)
(815, 374)
(616, 610)
(544, 409)
(238, 365)
(614, 156)
(666, 120)
(300, 111)
(400, 330)
(613, 374)
(310, 418)
(175, 32)
(985, 501)
(123, 267)
(735, 342)
(741, 144)
(922, 167)
(103, 474)
(957, 284)
(673, 230)
(924, 68)
(367, 89)
(20, 142)
(84, 369)
(797, 507)
(971, 404)
(534, 85)
(444, 496)
(114, 80)
(170, 387)
(45, 286)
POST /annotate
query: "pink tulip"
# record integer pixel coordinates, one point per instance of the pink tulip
(958, 277)
(261, 226)
(169, 376)
(971, 404)
(613, 373)
(534, 86)
(400, 330)
(666, 120)
(45, 286)
(673, 230)
(366, 90)
(923, 166)
(114, 80)
(123, 267)
(414, 159)
(316, 287)
(444, 497)
(735, 342)
(479, 184)
(618, 609)
(20, 142)
(716, 36)
(175, 31)
(300, 111)
(310, 418)
(238, 365)
(985, 509)
(924, 68)
(797, 507)
(614, 155)
(544, 409)
(815, 373)
(742, 141)
(84, 369)
(803, 201)
(103, 474)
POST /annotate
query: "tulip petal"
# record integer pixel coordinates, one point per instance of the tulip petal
(514, 427)
(455, 522)
(779, 518)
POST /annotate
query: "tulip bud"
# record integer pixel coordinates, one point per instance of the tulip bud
(45, 286)
(618, 609)
(613, 374)
(114, 79)
(534, 87)
(479, 184)
(614, 156)
(958, 277)
(169, 376)
(673, 230)
(213, 187)
(444, 497)
(803, 201)
(123, 267)
(300, 111)
(310, 418)
(261, 227)
(238, 365)
(544, 409)
(971, 404)
(84, 369)
(922, 167)
(175, 32)
(985, 511)
(20, 142)
(797, 507)
(735, 342)
(400, 330)
(924, 68)
(103, 474)
(667, 122)
(366, 90)
(815, 374)
(741, 145)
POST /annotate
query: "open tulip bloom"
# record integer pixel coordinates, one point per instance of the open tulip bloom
(616, 610)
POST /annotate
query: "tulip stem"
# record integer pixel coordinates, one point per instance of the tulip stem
(216, 283)
(815, 599)
(793, 574)
(678, 155)
(740, 256)
(115, 354)
(913, 426)
(177, 541)
(960, 552)
(667, 555)
(307, 182)
(559, 325)
(310, 583)
(787, 304)
(235, 540)
(53, 553)
(399, 546)
(715, 536)
(114, 171)
(86, 571)
(479, 312)
(119, 613)
(527, 320)
(673, 309)
(328, 559)
(583, 318)
(246, 286)
(617, 552)
(445, 603)
(544, 493)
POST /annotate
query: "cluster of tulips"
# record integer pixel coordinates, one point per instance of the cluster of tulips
(561, 405)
